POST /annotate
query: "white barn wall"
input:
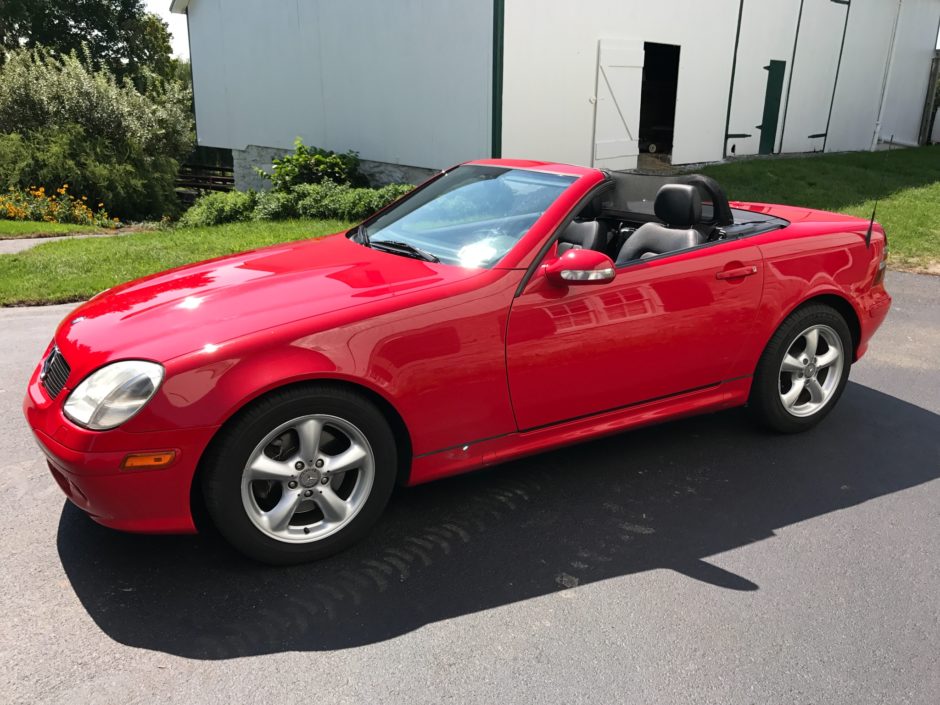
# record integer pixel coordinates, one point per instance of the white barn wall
(907, 88)
(861, 77)
(766, 34)
(404, 82)
(813, 75)
(410, 82)
(550, 68)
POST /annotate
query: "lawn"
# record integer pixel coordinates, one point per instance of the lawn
(10, 229)
(905, 182)
(73, 270)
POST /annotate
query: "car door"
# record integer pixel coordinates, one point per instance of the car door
(662, 327)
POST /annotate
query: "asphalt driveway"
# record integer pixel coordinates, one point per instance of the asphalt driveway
(701, 561)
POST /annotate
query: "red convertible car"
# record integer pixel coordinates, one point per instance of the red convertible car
(500, 309)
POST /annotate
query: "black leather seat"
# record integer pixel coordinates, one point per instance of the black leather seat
(587, 235)
(679, 206)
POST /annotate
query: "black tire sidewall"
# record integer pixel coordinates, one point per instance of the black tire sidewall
(222, 471)
(765, 397)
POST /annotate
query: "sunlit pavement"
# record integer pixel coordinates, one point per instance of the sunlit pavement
(697, 562)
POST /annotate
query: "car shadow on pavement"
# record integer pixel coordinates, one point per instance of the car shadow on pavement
(664, 497)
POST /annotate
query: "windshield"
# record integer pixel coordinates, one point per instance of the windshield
(471, 216)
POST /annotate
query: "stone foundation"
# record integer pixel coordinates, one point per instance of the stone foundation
(247, 161)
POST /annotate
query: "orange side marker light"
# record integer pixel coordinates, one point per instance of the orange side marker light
(149, 461)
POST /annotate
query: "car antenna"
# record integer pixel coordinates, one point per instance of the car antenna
(874, 209)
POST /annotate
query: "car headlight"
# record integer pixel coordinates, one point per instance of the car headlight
(110, 396)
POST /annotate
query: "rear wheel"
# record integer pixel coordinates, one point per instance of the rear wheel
(300, 475)
(803, 370)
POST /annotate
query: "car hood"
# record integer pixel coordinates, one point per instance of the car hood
(177, 312)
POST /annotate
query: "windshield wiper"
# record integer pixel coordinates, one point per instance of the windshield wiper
(403, 248)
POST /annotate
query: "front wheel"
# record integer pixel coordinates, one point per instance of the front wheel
(302, 474)
(803, 370)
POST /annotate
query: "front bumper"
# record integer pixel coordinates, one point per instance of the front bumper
(87, 467)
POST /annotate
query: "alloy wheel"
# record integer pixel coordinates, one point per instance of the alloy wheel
(308, 478)
(811, 370)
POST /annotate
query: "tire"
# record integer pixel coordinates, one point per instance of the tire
(652, 148)
(275, 511)
(792, 390)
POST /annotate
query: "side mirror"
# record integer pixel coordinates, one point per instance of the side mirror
(580, 267)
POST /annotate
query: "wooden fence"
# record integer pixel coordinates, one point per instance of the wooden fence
(193, 180)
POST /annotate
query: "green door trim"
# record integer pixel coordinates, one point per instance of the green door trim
(776, 70)
(496, 121)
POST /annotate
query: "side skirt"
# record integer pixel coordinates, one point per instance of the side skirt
(517, 445)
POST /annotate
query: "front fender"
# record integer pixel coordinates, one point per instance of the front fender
(209, 387)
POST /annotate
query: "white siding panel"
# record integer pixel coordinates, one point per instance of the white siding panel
(207, 54)
(813, 75)
(406, 82)
(861, 78)
(907, 87)
(767, 31)
(551, 63)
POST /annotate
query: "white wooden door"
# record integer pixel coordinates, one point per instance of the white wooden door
(617, 103)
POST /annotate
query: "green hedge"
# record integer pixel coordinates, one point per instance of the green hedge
(321, 201)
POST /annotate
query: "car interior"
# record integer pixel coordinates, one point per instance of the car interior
(638, 216)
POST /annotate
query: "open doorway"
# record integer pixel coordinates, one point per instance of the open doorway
(658, 100)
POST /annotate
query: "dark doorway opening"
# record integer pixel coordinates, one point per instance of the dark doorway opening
(658, 98)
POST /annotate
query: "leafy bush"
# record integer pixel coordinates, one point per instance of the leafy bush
(57, 207)
(275, 205)
(62, 123)
(317, 201)
(334, 201)
(219, 208)
(311, 165)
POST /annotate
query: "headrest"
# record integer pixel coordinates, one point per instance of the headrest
(588, 235)
(678, 205)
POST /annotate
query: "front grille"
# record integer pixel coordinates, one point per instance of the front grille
(55, 372)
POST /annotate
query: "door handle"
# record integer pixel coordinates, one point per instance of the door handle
(736, 273)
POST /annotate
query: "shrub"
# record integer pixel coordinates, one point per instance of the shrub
(218, 208)
(325, 201)
(336, 201)
(274, 205)
(57, 207)
(62, 123)
(311, 165)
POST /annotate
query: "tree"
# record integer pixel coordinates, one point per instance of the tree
(62, 123)
(118, 35)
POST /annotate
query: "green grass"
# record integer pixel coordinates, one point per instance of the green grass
(905, 182)
(73, 270)
(10, 229)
